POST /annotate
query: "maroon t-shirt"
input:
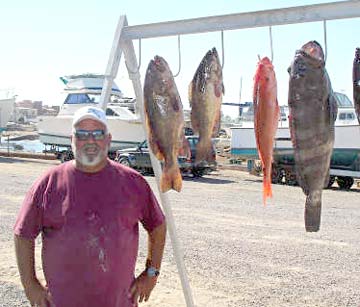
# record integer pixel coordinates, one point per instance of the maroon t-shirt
(89, 226)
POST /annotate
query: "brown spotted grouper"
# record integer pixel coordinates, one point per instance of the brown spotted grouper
(205, 95)
(164, 120)
(313, 112)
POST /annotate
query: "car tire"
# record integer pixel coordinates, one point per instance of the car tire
(125, 161)
(330, 182)
(345, 183)
(197, 173)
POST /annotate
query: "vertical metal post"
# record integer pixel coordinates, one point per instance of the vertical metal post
(130, 57)
(113, 64)
(119, 46)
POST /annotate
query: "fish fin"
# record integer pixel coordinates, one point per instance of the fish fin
(194, 121)
(312, 213)
(190, 92)
(217, 124)
(171, 179)
(204, 151)
(154, 147)
(256, 90)
(184, 149)
(267, 190)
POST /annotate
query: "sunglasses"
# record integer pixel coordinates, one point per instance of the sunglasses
(84, 135)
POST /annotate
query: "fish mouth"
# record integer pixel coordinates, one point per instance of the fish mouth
(158, 63)
(314, 50)
(265, 62)
(357, 54)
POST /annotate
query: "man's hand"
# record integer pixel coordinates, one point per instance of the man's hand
(38, 295)
(142, 287)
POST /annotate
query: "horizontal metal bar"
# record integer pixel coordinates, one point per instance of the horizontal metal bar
(291, 15)
(345, 173)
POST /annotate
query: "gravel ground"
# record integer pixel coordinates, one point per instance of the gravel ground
(237, 252)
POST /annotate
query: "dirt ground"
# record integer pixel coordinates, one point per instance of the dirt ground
(236, 251)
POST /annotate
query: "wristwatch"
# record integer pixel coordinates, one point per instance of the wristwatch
(152, 272)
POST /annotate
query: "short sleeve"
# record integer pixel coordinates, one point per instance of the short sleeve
(152, 215)
(29, 220)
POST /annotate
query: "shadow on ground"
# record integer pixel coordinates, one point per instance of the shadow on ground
(208, 180)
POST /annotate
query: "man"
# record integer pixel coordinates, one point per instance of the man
(88, 211)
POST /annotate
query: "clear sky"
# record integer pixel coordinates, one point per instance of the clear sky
(42, 40)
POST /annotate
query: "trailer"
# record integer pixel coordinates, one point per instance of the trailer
(344, 164)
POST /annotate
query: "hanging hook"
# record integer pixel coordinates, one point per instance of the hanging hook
(271, 44)
(179, 50)
(138, 68)
(223, 49)
(325, 41)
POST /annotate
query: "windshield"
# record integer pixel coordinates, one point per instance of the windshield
(343, 101)
(79, 98)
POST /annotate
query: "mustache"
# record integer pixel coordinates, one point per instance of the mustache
(90, 146)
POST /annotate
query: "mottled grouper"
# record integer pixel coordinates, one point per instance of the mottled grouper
(164, 120)
(313, 111)
(205, 95)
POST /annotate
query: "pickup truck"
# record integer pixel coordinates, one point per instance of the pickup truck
(139, 159)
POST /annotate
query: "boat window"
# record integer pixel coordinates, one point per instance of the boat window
(110, 112)
(346, 116)
(122, 112)
(78, 99)
(342, 116)
(343, 101)
(350, 116)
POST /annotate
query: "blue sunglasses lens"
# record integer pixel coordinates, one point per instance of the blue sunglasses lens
(84, 135)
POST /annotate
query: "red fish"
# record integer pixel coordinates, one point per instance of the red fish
(266, 116)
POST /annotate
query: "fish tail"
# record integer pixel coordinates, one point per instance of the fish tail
(204, 151)
(171, 179)
(312, 213)
(267, 190)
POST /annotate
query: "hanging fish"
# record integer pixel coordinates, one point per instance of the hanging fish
(205, 95)
(313, 112)
(266, 116)
(164, 120)
(356, 82)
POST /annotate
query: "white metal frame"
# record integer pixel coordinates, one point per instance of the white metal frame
(123, 44)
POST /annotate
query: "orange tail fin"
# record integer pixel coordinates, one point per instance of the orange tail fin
(267, 190)
(171, 179)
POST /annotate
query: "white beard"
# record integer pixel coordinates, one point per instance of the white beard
(90, 160)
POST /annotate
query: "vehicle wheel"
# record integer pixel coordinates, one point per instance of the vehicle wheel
(345, 183)
(197, 173)
(330, 182)
(290, 178)
(276, 175)
(125, 161)
(66, 156)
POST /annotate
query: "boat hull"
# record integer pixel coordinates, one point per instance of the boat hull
(6, 109)
(346, 152)
(57, 131)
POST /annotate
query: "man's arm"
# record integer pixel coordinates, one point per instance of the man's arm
(156, 244)
(144, 284)
(25, 256)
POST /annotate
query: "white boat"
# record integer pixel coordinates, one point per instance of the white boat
(347, 132)
(6, 109)
(82, 90)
